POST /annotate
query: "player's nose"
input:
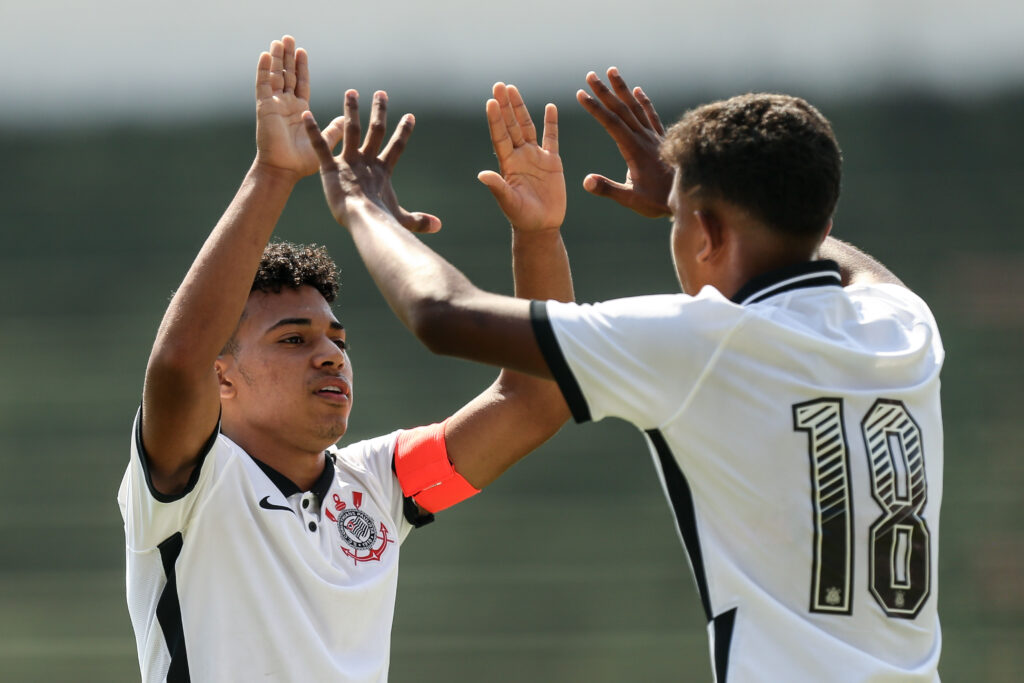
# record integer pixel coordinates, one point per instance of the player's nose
(328, 353)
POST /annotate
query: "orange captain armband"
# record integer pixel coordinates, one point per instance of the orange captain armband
(424, 471)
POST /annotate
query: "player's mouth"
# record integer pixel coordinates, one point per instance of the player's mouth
(334, 389)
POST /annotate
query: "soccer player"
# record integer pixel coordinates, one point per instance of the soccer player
(789, 395)
(256, 549)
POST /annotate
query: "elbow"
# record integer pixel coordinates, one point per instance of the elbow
(433, 323)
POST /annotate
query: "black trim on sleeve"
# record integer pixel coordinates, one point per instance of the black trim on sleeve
(723, 625)
(548, 344)
(168, 612)
(192, 478)
(680, 496)
(412, 512)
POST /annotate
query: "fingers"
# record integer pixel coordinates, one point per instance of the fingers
(334, 132)
(417, 221)
(625, 96)
(288, 62)
(648, 106)
(350, 146)
(625, 195)
(396, 145)
(302, 74)
(522, 114)
(603, 187)
(613, 104)
(503, 146)
(497, 185)
(263, 88)
(609, 121)
(320, 146)
(550, 128)
(501, 94)
(277, 66)
(378, 124)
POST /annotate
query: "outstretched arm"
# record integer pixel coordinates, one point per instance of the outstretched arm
(180, 398)
(518, 412)
(628, 116)
(432, 298)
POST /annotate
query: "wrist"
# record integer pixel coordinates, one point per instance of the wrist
(275, 175)
(358, 205)
(532, 235)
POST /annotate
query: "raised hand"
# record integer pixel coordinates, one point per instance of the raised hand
(364, 172)
(531, 186)
(634, 125)
(282, 94)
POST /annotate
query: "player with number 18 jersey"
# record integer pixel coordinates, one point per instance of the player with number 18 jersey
(799, 443)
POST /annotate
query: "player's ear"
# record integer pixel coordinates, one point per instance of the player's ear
(222, 366)
(712, 234)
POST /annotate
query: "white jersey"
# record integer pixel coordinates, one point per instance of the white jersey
(798, 436)
(244, 577)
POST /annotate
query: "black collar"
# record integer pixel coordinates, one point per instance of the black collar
(797, 276)
(288, 487)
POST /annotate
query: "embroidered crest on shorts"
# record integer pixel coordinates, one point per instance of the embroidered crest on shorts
(366, 540)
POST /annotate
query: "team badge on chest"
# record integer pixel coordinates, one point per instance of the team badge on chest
(363, 539)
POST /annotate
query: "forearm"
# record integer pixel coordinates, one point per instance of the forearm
(540, 270)
(206, 307)
(540, 265)
(435, 301)
(855, 266)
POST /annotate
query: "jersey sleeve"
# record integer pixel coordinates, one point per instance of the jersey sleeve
(638, 359)
(374, 458)
(150, 517)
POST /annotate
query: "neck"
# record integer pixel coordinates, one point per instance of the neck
(301, 465)
(759, 251)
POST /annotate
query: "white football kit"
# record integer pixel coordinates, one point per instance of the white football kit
(243, 577)
(797, 433)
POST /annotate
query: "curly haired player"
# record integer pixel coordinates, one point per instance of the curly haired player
(256, 548)
(789, 395)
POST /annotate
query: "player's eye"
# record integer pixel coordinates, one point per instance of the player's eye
(293, 339)
(341, 344)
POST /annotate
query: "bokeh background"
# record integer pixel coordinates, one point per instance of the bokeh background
(125, 127)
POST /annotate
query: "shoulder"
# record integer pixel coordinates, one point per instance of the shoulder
(364, 455)
(677, 308)
(896, 298)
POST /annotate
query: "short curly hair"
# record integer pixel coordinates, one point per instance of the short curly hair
(772, 155)
(285, 264)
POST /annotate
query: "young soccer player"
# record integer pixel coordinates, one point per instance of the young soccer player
(256, 548)
(789, 395)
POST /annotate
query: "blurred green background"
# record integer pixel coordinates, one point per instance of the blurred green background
(568, 568)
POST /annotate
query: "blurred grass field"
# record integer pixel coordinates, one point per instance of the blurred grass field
(568, 568)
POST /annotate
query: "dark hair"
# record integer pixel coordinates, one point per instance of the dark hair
(293, 265)
(772, 155)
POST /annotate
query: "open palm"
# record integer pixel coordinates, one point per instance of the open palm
(282, 94)
(531, 186)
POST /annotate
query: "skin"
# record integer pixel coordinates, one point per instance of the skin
(269, 391)
(276, 387)
(713, 243)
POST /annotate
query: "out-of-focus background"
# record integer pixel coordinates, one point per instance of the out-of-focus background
(126, 126)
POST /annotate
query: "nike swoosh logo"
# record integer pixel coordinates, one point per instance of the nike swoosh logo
(267, 505)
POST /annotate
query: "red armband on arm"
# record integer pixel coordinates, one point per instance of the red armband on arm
(424, 471)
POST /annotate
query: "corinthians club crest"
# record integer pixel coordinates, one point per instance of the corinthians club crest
(366, 539)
